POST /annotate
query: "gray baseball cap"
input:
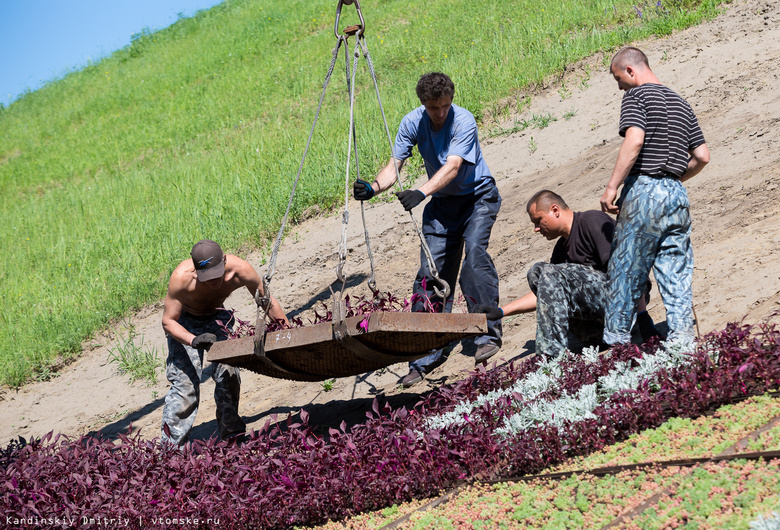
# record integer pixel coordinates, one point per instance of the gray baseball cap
(208, 259)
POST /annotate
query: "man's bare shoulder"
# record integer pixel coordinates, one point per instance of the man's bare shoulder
(241, 271)
(182, 278)
(236, 264)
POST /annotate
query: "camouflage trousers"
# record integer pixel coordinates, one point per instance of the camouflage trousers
(653, 231)
(570, 298)
(184, 371)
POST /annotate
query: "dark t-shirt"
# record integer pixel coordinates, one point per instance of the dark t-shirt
(589, 242)
(671, 129)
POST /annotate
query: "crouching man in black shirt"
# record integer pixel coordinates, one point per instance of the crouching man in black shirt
(568, 293)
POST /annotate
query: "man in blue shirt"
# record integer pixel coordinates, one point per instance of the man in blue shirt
(458, 220)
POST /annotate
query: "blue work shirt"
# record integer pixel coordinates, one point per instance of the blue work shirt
(458, 137)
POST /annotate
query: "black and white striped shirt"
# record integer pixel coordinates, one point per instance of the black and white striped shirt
(671, 129)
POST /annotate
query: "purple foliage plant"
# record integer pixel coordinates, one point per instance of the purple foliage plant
(286, 474)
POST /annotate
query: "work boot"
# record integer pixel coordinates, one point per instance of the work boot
(485, 352)
(412, 378)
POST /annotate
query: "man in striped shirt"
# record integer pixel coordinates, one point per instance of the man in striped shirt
(663, 146)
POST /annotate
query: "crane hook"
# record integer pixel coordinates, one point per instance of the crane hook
(351, 30)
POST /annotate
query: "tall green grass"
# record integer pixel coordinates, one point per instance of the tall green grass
(109, 175)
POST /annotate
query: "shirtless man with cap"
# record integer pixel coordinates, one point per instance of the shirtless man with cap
(191, 319)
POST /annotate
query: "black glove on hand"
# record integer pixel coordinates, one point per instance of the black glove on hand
(492, 313)
(362, 190)
(410, 198)
(204, 340)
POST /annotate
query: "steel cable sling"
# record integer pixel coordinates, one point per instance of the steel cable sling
(443, 289)
(264, 302)
(341, 332)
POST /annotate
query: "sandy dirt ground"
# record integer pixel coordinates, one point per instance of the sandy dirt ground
(726, 69)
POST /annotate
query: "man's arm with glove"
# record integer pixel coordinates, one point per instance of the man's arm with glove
(362, 190)
(172, 310)
(204, 341)
(446, 174)
(410, 198)
(524, 304)
(492, 313)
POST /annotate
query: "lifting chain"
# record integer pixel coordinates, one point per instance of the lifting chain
(350, 75)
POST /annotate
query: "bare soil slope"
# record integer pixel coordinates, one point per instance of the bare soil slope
(726, 69)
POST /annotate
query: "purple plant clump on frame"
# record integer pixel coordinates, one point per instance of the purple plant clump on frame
(354, 306)
(288, 475)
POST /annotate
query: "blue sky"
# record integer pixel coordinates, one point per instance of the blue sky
(42, 40)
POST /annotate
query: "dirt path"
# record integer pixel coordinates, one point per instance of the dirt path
(726, 69)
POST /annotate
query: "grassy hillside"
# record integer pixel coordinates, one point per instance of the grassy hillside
(109, 175)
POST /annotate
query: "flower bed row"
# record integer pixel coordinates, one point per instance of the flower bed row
(481, 426)
(587, 501)
(713, 495)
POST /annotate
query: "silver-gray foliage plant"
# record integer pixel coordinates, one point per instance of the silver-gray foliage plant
(569, 408)
(769, 522)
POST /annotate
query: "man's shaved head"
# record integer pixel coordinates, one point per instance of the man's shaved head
(629, 56)
(544, 199)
